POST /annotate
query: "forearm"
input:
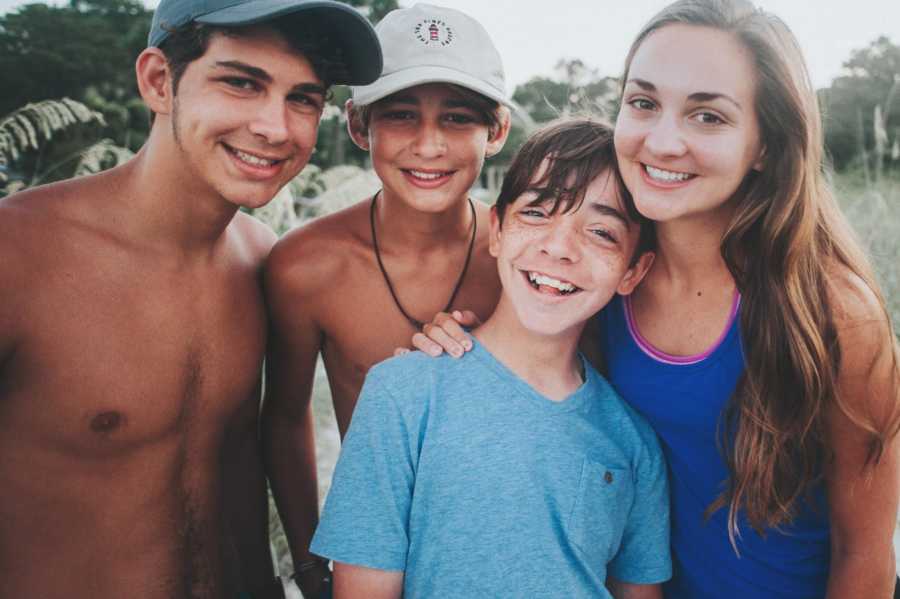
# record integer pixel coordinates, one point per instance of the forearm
(246, 502)
(291, 466)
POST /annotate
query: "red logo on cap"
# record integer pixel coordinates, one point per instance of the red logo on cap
(434, 31)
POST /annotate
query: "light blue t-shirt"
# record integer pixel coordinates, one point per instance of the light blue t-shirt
(463, 476)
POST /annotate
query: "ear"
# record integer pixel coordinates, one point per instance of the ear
(154, 80)
(760, 161)
(494, 239)
(498, 139)
(635, 274)
(358, 132)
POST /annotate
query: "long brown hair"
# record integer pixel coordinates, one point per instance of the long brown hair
(786, 239)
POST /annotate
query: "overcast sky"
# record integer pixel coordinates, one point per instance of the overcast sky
(532, 36)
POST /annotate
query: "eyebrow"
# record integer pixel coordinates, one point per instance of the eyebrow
(694, 97)
(606, 210)
(262, 75)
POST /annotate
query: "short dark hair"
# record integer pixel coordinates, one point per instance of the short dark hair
(486, 109)
(185, 44)
(578, 151)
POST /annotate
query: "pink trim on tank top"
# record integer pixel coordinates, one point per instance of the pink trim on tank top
(662, 356)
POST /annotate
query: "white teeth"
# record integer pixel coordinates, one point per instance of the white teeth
(539, 279)
(666, 176)
(254, 160)
(426, 176)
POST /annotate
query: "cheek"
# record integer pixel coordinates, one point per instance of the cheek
(625, 137)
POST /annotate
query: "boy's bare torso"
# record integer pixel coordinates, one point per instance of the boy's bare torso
(328, 271)
(127, 375)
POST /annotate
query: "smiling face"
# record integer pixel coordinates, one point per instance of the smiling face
(246, 115)
(558, 269)
(428, 145)
(687, 133)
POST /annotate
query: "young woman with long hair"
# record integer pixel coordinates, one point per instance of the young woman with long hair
(758, 346)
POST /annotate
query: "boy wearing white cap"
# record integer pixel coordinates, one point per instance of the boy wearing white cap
(516, 470)
(356, 284)
(132, 323)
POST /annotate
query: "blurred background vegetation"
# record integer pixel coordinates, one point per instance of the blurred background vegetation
(69, 106)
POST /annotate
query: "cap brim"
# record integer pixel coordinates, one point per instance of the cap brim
(353, 32)
(421, 75)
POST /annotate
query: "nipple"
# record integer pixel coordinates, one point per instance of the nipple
(106, 422)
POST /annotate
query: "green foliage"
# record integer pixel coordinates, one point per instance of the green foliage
(873, 210)
(373, 9)
(58, 51)
(575, 89)
(849, 103)
(52, 140)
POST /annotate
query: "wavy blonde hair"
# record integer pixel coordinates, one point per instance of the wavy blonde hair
(787, 234)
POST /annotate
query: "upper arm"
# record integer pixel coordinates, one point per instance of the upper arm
(295, 338)
(352, 582)
(862, 491)
(626, 590)
(13, 283)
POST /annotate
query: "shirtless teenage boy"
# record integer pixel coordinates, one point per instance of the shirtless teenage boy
(428, 123)
(132, 325)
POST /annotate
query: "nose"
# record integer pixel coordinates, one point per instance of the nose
(270, 122)
(665, 138)
(429, 141)
(559, 240)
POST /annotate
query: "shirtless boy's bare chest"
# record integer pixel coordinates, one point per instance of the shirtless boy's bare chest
(129, 353)
(363, 324)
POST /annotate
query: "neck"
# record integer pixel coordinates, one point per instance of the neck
(169, 206)
(549, 363)
(689, 253)
(401, 226)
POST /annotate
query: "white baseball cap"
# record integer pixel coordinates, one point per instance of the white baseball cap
(433, 44)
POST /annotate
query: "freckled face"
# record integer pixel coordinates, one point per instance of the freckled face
(246, 115)
(427, 147)
(688, 133)
(559, 269)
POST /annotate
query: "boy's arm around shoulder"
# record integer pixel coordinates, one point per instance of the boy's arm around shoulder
(863, 494)
(293, 278)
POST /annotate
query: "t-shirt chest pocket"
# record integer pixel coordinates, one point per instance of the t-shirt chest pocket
(602, 505)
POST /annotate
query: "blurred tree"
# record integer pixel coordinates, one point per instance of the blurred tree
(58, 51)
(870, 78)
(373, 9)
(575, 88)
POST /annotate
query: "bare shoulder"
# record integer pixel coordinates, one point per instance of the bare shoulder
(255, 236)
(320, 254)
(868, 374)
(33, 218)
(858, 311)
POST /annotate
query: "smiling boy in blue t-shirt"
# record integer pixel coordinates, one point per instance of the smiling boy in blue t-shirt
(515, 471)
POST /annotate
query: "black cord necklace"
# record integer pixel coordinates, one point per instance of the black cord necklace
(415, 323)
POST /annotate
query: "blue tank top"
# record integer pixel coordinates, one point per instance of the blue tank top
(682, 399)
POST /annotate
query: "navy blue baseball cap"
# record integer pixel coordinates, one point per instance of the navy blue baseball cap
(352, 31)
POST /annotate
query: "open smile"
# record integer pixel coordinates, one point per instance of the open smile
(550, 285)
(427, 178)
(254, 162)
(665, 177)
